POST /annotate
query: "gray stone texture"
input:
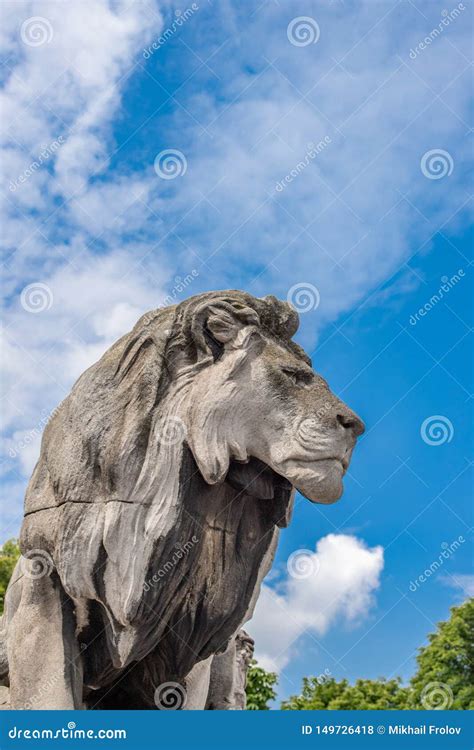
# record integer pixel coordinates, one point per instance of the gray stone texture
(153, 512)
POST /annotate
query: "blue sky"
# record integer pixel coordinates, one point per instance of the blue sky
(375, 221)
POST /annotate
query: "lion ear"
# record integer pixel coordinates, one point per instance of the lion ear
(222, 325)
(218, 322)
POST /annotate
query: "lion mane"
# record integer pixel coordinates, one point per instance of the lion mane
(112, 502)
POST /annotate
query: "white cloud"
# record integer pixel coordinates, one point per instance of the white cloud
(87, 306)
(67, 90)
(463, 582)
(381, 111)
(336, 586)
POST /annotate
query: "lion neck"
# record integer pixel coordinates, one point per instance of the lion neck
(194, 571)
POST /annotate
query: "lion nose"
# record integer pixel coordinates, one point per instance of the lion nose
(351, 421)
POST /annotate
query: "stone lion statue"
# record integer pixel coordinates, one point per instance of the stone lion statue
(153, 512)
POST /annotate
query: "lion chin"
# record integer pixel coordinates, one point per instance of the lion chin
(321, 482)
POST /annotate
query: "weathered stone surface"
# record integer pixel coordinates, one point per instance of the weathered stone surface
(228, 675)
(152, 515)
(4, 699)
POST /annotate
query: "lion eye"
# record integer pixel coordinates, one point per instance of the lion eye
(298, 377)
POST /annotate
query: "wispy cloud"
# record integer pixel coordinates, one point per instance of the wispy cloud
(363, 206)
(335, 583)
(463, 582)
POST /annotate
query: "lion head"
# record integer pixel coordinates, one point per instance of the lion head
(254, 395)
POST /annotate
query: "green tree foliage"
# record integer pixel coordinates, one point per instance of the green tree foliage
(445, 676)
(444, 679)
(9, 554)
(259, 688)
(328, 693)
(317, 694)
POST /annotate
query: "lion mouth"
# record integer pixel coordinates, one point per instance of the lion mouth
(259, 481)
(255, 478)
(318, 479)
(342, 461)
